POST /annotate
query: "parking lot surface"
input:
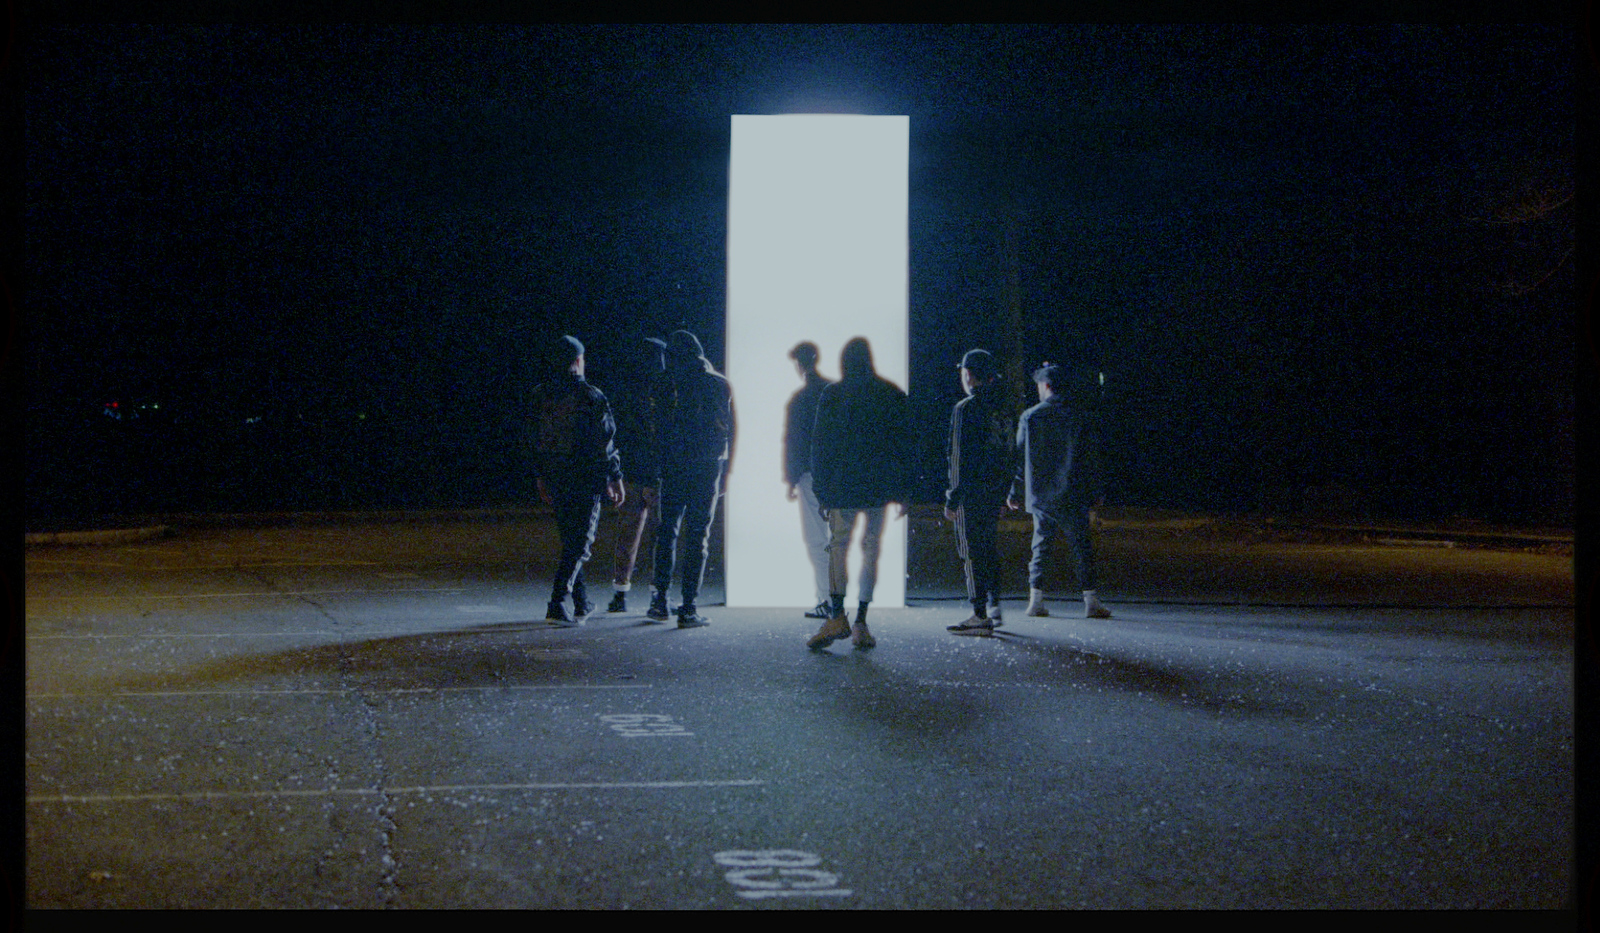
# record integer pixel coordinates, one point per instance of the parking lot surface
(376, 715)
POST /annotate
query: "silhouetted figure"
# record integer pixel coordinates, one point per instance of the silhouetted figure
(1059, 473)
(692, 424)
(983, 460)
(575, 463)
(641, 507)
(800, 418)
(860, 462)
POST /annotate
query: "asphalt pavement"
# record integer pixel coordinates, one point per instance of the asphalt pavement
(330, 712)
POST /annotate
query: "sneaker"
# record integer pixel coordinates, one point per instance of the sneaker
(822, 611)
(581, 610)
(619, 602)
(861, 638)
(689, 618)
(557, 613)
(994, 613)
(1096, 611)
(977, 625)
(835, 628)
(1036, 607)
(658, 608)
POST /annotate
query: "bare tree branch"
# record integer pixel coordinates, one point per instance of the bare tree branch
(1515, 289)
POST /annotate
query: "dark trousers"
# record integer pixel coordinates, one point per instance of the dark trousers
(1047, 528)
(688, 501)
(977, 541)
(577, 518)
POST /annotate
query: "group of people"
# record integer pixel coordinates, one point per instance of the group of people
(685, 436)
(848, 458)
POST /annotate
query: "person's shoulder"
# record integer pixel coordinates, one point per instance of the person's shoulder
(1038, 410)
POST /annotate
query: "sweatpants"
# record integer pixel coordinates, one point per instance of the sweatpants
(689, 496)
(1046, 529)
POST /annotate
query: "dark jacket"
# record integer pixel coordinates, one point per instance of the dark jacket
(572, 436)
(800, 418)
(860, 451)
(1059, 468)
(691, 416)
(983, 448)
(636, 430)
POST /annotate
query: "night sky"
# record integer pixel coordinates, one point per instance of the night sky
(1331, 257)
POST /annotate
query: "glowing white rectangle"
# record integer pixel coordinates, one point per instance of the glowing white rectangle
(817, 250)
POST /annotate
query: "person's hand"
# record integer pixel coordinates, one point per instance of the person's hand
(949, 514)
(794, 492)
(1012, 505)
(616, 492)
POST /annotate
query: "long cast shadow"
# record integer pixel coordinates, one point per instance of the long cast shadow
(455, 658)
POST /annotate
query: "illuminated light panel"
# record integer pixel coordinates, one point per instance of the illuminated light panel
(817, 250)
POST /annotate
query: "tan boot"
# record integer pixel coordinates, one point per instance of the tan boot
(1092, 608)
(861, 638)
(832, 630)
(1036, 604)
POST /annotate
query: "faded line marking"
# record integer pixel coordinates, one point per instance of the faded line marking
(271, 594)
(179, 568)
(373, 791)
(832, 892)
(967, 684)
(339, 692)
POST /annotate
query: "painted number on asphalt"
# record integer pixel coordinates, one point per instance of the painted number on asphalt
(761, 873)
(635, 725)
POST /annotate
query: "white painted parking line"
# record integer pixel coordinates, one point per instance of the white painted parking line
(338, 692)
(263, 593)
(390, 791)
(364, 634)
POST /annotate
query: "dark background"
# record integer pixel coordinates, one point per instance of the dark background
(1325, 269)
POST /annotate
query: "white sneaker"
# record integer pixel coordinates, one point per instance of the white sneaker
(1092, 609)
(1036, 604)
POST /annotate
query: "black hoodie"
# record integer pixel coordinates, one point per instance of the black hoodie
(860, 449)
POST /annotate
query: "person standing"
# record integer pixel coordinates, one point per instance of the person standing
(800, 417)
(575, 462)
(983, 458)
(860, 463)
(1060, 476)
(692, 425)
(639, 515)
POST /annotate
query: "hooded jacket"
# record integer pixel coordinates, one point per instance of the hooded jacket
(860, 450)
(691, 415)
